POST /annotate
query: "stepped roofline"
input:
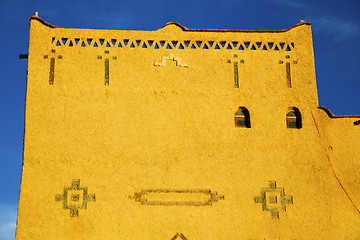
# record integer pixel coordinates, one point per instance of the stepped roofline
(185, 29)
(331, 115)
(232, 30)
(42, 21)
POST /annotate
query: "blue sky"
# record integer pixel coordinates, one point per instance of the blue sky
(336, 35)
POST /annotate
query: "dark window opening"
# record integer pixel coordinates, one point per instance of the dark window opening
(242, 118)
(293, 118)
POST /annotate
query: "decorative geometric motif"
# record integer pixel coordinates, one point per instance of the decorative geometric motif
(106, 66)
(288, 71)
(273, 199)
(75, 198)
(52, 66)
(173, 44)
(236, 70)
(179, 236)
(171, 57)
(167, 197)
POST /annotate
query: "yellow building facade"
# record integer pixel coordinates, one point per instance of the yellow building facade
(183, 134)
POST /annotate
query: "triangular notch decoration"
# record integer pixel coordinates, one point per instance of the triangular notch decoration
(282, 44)
(270, 44)
(89, 41)
(64, 40)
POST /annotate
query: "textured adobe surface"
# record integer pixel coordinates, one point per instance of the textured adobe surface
(131, 135)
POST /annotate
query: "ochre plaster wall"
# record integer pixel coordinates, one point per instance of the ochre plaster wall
(171, 129)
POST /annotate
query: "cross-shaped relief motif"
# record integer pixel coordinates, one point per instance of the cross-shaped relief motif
(236, 69)
(52, 65)
(75, 198)
(107, 67)
(273, 199)
(288, 70)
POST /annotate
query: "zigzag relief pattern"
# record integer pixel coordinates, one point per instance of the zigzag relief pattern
(174, 44)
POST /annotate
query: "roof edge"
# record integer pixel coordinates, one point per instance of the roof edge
(185, 29)
(42, 21)
(331, 115)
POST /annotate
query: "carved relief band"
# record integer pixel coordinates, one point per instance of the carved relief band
(166, 197)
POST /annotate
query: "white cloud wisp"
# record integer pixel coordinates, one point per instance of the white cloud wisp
(8, 215)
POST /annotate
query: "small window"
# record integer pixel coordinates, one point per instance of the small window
(242, 118)
(293, 118)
